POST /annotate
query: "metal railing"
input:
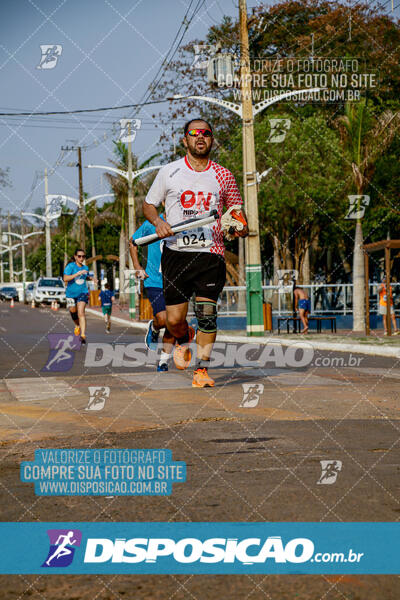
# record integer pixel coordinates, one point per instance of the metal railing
(326, 298)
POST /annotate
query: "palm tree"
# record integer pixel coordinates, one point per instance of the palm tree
(366, 137)
(65, 223)
(119, 186)
(93, 218)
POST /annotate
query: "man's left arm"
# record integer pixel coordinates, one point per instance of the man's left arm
(234, 199)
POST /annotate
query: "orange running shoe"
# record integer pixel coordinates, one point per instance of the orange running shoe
(202, 379)
(182, 353)
(77, 330)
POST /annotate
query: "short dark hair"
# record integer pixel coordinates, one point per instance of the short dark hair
(79, 250)
(186, 127)
(107, 286)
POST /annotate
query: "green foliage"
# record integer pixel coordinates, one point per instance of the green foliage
(304, 192)
(36, 262)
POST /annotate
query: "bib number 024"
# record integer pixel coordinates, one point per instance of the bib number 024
(194, 238)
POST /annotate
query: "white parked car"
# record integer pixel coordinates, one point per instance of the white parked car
(49, 289)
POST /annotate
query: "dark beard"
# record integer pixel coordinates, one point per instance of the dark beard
(200, 153)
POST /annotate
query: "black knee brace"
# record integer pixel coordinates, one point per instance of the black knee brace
(206, 315)
(74, 316)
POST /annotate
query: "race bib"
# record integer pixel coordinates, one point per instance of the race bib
(200, 237)
(70, 302)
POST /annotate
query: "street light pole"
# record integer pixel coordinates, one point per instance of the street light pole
(1, 256)
(23, 259)
(49, 264)
(129, 176)
(22, 237)
(81, 203)
(10, 255)
(131, 226)
(255, 325)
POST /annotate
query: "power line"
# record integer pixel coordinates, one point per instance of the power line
(83, 110)
(186, 22)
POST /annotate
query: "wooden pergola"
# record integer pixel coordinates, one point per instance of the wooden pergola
(385, 245)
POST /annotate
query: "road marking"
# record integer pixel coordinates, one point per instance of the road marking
(28, 389)
(157, 381)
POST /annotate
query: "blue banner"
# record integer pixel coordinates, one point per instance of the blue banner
(209, 548)
(103, 472)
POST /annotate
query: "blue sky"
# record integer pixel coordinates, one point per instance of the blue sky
(111, 50)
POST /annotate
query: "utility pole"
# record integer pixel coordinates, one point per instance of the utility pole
(255, 321)
(10, 254)
(131, 200)
(23, 258)
(81, 203)
(1, 255)
(131, 227)
(49, 264)
(81, 213)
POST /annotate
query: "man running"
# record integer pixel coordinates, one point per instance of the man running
(302, 303)
(153, 283)
(193, 262)
(106, 298)
(76, 275)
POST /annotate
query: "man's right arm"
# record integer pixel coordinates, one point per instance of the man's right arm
(141, 273)
(163, 229)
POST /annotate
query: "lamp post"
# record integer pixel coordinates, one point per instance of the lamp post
(9, 249)
(46, 218)
(62, 199)
(22, 236)
(129, 175)
(2, 265)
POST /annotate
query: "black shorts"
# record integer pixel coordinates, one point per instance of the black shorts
(185, 273)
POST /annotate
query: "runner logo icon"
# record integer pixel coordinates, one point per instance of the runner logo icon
(61, 352)
(330, 470)
(98, 396)
(251, 394)
(63, 543)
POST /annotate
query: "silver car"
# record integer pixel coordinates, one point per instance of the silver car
(49, 289)
(29, 293)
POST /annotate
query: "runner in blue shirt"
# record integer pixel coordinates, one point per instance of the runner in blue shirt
(76, 275)
(153, 283)
(106, 299)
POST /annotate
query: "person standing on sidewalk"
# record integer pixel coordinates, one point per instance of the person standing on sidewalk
(193, 261)
(383, 306)
(303, 304)
(107, 298)
(153, 284)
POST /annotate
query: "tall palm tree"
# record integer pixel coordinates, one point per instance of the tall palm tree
(93, 218)
(65, 223)
(366, 137)
(119, 186)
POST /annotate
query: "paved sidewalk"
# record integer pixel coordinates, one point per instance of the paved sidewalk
(341, 342)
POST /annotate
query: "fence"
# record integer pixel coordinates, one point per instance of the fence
(326, 298)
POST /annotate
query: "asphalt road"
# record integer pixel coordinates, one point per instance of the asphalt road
(253, 446)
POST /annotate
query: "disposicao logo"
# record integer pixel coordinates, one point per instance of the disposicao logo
(62, 547)
(191, 550)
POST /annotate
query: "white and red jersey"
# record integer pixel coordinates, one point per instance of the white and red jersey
(189, 194)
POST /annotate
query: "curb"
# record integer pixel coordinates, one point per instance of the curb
(391, 352)
(138, 326)
(369, 349)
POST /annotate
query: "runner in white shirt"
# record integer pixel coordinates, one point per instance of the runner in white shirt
(193, 262)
